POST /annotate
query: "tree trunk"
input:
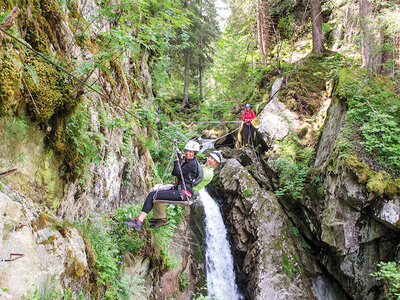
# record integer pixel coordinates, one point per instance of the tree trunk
(366, 35)
(377, 62)
(259, 22)
(263, 27)
(185, 100)
(201, 80)
(201, 70)
(316, 20)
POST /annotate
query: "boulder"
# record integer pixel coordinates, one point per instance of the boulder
(51, 254)
(266, 256)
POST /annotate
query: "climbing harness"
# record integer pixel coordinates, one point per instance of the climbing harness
(186, 202)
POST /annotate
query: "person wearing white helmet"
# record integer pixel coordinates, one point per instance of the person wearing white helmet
(188, 168)
(159, 211)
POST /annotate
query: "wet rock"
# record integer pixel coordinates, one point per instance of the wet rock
(257, 224)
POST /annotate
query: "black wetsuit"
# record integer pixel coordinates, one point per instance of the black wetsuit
(189, 172)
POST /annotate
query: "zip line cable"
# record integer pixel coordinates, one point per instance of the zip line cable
(205, 122)
(79, 80)
(107, 98)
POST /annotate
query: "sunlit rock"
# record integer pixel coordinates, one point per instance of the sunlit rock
(52, 259)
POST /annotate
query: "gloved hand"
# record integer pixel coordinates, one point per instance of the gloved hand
(180, 156)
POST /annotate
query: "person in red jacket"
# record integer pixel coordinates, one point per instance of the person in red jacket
(247, 116)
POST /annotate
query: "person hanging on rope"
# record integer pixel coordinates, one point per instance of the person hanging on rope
(159, 211)
(186, 170)
(247, 116)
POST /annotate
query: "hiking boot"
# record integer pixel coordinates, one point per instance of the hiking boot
(159, 222)
(152, 220)
(135, 224)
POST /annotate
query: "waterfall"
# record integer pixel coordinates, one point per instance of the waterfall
(221, 283)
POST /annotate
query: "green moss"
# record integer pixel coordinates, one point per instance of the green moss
(362, 171)
(287, 267)
(377, 183)
(53, 92)
(303, 132)
(343, 78)
(76, 270)
(248, 192)
(380, 183)
(42, 221)
(10, 80)
(51, 240)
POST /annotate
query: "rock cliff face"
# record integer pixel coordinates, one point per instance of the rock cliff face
(47, 256)
(324, 246)
(348, 224)
(42, 158)
(34, 128)
(272, 260)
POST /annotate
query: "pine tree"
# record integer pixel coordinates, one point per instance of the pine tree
(193, 47)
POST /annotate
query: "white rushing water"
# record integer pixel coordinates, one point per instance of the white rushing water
(219, 263)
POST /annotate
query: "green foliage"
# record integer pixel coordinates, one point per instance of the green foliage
(373, 121)
(77, 144)
(390, 272)
(164, 234)
(110, 239)
(125, 239)
(287, 267)
(49, 292)
(236, 78)
(192, 48)
(12, 129)
(306, 85)
(183, 282)
(136, 25)
(292, 164)
(248, 192)
(201, 294)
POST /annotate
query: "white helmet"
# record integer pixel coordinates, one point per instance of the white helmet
(192, 146)
(217, 155)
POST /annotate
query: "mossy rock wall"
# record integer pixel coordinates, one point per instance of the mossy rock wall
(60, 136)
(352, 224)
(10, 81)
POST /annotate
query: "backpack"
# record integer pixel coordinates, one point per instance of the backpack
(200, 175)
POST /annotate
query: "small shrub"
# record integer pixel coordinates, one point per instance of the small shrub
(248, 192)
(292, 166)
(390, 272)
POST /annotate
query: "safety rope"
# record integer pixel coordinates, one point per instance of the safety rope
(179, 168)
(22, 42)
(228, 133)
(180, 171)
(165, 172)
(204, 122)
(80, 80)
